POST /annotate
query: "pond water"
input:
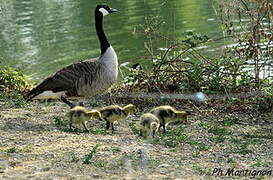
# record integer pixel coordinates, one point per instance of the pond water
(46, 35)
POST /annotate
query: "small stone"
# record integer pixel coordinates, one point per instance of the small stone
(163, 165)
(45, 169)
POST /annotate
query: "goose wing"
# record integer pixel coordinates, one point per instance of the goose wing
(66, 79)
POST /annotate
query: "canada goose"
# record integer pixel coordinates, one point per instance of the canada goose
(116, 113)
(167, 114)
(149, 125)
(80, 115)
(85, 78)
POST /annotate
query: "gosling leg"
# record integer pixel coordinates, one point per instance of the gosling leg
(164, 129)
(107, 125)
(112, 125)
(163, 124)
(153, 134)
(70, 125)
(84, 125)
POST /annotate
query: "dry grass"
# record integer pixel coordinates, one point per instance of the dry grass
(35, 144)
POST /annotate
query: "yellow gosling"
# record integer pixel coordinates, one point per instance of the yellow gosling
(167, 114)
(149, 125)
(80, 115)
(116, 113)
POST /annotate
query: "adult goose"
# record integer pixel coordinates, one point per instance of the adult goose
(85, 78)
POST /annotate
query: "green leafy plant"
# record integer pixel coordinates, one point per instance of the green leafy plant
(12, 150)
(88, 158)
(12, 79)
(184, 66)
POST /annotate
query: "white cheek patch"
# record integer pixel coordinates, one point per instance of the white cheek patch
(104, 11)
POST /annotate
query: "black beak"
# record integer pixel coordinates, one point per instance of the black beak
(113, 10)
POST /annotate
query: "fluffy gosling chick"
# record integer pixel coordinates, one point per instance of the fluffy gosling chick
(80, 115)
(167, 114)
(116, 113)
(149, 125)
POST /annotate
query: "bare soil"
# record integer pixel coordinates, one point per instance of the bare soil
(36, 144)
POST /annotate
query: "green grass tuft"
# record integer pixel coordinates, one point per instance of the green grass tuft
(90, 155)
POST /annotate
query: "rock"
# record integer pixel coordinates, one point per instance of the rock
(163, 165)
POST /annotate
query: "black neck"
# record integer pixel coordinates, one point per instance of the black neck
(104, 44)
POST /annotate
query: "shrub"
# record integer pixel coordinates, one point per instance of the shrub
(12, 79)
(184, 66)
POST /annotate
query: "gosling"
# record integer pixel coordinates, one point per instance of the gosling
(116, 113)
(167, 114)
(149, 125)
(80, 115)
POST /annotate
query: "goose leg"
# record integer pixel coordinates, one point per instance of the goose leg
(70, 104)
(164, 129)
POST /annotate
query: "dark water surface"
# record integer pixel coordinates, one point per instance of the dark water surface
(46, 35)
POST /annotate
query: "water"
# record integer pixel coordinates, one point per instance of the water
(43, 36)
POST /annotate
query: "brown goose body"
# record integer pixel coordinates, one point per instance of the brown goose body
(86, 78)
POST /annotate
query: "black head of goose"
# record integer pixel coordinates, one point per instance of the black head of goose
(85, 78)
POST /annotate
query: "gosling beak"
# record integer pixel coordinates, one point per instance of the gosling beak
(113, 10)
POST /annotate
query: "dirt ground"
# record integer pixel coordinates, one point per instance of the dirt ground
(35, 144)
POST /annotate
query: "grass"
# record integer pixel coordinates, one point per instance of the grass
(97, 131)
(73, 130)
(260, 163)
(28, 148)
(200, 170)
(133, 127)
(100, 164)
(228, 122)
(73, 156)
(63, 125)
(218, 139)
(204, 142)
(242, 149)
(176, 137)
(14, 100)
(216, 130)
(12, 150)
(58, 121)
(115, 149)
(88, 157)
(94, 131)
(258, 136)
